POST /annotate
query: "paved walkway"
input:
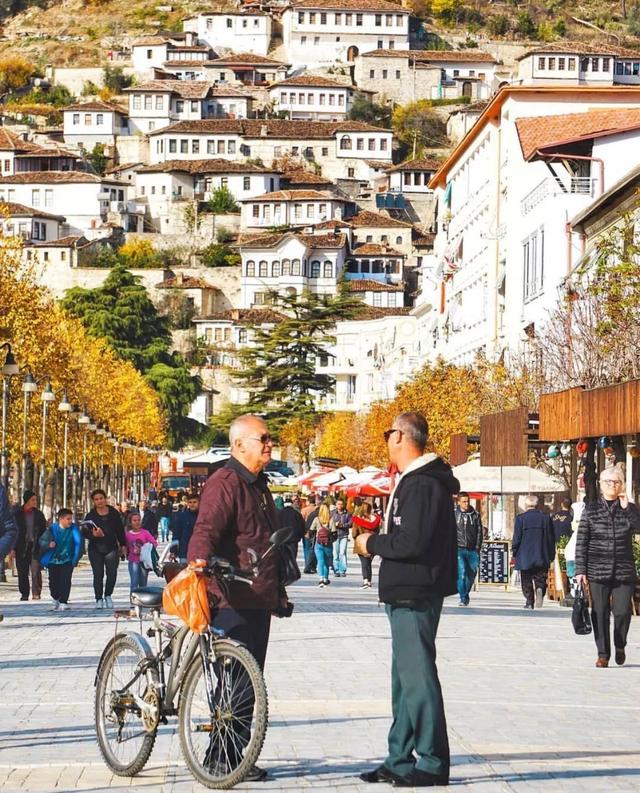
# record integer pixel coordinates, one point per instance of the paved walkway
(527, 709)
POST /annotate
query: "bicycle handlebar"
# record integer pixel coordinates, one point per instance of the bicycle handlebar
(222, 567)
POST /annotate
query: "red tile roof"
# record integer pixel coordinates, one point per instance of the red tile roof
(434, 56)
(250, 58)
(295, 195)
(245, 316)
(369, 285)
(213, 165)
(302, 177)
(21, 211)
(9, 141)
(579, 48)
(368, 219)
(184, 282)
(373, 249)
(332, 224)
(272, 240)
(541, 132)
(312, 81)
(416, 165)
(63, 242)
(269, 128)
(373, 312)
(104, 107)
(188, 89)
(52, 177)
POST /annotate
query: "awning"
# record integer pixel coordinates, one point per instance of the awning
(518, 479)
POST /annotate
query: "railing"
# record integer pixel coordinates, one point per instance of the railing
(553, 186)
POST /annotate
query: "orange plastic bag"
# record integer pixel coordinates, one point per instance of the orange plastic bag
(185, 596)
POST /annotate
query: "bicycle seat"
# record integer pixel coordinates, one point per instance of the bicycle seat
(147, 596)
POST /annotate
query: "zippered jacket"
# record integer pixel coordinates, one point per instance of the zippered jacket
(604, 545)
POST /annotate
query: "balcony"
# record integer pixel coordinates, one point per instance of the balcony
(552, 186)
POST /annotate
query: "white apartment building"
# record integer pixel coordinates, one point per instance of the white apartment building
(312, 97)
(291, 208)
(288, 263)
(575, 63)
(409, 75)
(341, 149)
(159, 103)
(154, 52)
(536, 156)
(376, 293)
(371, 357)
(412, 176)
(85, 200)
(374, 227)
(320, 33)
(164, 186)
(240, 31)
(88, 123)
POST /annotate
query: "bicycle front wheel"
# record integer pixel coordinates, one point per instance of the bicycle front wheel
(220, 744)
(126, 712)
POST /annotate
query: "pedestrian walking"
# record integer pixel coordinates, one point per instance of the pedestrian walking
(322, 529)
(604, 559)
(136, 538)
(31, 524)
(61, 547)
(311, 565)
(106, 545)
(8, 528)
(533, 549)
(148, 518)
(365, 523)
(182, 525)
(418, 570)
(469, 544)
(236, 515)
(342, 522)
(307, 543)
(164, 513)
(561, 520)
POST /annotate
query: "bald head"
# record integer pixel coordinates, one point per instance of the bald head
(250, 442)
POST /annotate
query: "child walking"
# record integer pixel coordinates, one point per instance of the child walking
(136, 538)
(60, 555)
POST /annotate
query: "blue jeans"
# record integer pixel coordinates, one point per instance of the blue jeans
(468, 562)
(164, 529)
(307, 549)
(323, 555)
(137, 575)
(340, 555)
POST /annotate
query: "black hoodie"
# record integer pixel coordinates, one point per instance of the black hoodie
(420, 551)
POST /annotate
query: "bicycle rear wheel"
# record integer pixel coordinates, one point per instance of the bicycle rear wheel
(220, 747)
(126, 713)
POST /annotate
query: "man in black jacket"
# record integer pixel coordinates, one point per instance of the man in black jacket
(533, 548)
(469, 544)
(419, 563)
(8, 528)
(31, 525)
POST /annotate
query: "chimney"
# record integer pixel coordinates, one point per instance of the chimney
(180, 278)
(263, 131)
(235, 314)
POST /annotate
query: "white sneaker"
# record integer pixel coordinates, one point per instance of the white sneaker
(64, 607)
(108, 603)
(99, 604)
(55, 605)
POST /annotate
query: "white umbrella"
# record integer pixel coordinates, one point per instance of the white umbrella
(518, 479)
(333, 477)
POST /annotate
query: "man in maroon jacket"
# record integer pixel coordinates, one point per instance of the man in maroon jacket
(237, 514)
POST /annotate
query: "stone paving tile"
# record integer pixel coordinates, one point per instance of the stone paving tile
(527, 710)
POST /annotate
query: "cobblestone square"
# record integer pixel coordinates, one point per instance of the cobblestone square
(527, 709)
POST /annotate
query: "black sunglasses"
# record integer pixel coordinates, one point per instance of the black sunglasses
(388, 433)
(264, 439)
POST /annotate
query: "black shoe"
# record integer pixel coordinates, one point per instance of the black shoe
(528, 605)
(418, 778)
(379, 774)
(24, 598)
(256, 774)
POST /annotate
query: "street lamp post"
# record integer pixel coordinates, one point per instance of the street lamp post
(84, 421)
(64, 406)
(9, 369)
(47, 396)
(29, 386)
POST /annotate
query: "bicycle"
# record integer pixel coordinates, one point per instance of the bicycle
(213, 685)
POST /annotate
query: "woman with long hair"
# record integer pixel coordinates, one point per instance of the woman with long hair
(367, 522)
(321, 529)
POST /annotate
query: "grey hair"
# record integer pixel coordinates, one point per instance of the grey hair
(616, 471)
(415, 428)
(238, 426)
(531, 501)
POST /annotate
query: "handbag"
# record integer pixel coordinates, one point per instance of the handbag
(185, 596)
(580, 617)
(288, 570)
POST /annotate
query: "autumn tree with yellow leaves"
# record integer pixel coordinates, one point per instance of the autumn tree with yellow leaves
(52, 345)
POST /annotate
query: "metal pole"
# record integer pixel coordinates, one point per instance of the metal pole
(84, 470)
(135, 478)
(25, 429)
(43, 450)
(66, 472)
(4, 468)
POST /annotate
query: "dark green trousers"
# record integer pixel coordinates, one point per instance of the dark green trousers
(419, 724)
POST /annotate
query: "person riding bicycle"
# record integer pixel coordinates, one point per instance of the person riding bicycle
(237, 515)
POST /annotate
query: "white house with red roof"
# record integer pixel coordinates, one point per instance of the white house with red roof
(578, 63)
(244, 30)
(536, 156)
(320, 33)
(313, 97)
(88, 123)
(408, 75)
(292, 208)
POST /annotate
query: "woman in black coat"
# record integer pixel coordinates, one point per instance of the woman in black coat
(107, 543)
(604, 558)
